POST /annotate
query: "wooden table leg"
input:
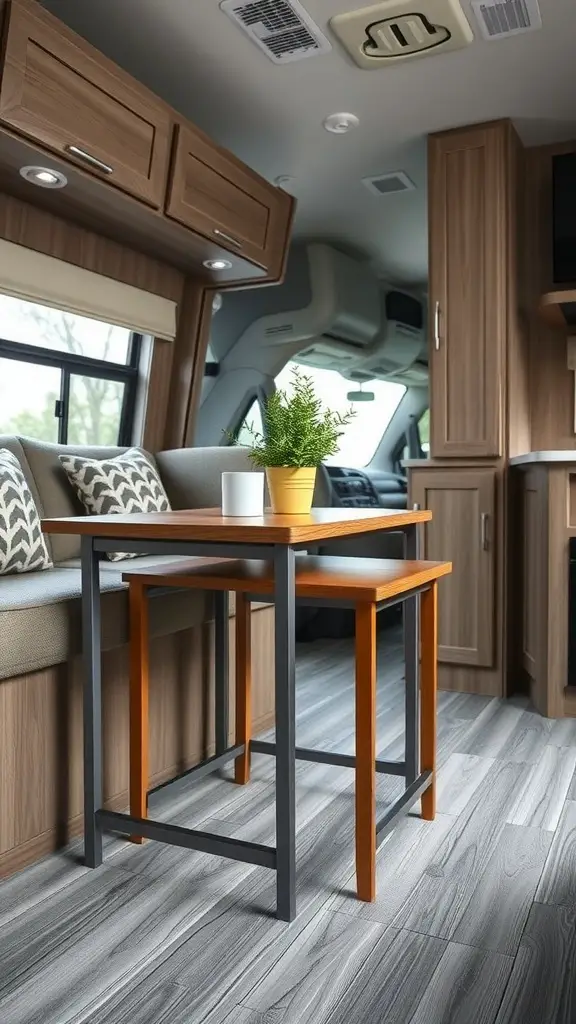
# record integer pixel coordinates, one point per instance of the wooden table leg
(429, 687)
(366, 752)
(243, 687)
(139, 681)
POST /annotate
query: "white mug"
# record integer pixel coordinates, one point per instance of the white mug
(242, 494)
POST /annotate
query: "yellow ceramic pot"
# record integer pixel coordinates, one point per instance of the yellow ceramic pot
(291, 489)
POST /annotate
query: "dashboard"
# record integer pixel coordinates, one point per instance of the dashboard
(367, 488)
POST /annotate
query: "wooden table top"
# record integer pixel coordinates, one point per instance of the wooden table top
(317, 576)
(210, 525)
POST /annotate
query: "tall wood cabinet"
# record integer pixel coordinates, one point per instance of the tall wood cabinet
(468, 254)
(473, 333)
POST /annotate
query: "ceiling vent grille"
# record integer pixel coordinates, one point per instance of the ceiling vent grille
(389, 184)
(500, 18)
(282, 28)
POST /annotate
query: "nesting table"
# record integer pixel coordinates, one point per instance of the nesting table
(275, 538)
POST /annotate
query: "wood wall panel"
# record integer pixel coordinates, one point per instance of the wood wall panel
(26, 225)
(41, 766)
(190, 347)
(549, 699)
(157, 394)
(535, 572)
(551, 382)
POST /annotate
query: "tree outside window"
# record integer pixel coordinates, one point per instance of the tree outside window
(31, 389)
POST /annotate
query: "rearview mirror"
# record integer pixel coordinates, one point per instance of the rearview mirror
(360, 396)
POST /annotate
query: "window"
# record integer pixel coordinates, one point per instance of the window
(253, 419)
(402, 452)
(65, 377)
(424, 432)
(364, 433)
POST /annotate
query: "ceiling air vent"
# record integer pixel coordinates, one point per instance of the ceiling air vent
(282, 28)
(389, 184)
(397, 30)
(501, 18)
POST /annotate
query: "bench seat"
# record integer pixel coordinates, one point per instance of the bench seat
(40, 616)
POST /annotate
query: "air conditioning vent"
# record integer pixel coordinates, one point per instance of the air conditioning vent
(389, 184)
(499, 18)
(282, 28)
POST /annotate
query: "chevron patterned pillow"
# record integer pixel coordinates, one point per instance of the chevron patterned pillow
(124, 483)
(22, 546)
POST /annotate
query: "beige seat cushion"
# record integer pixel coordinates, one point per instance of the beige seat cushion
(40, 617)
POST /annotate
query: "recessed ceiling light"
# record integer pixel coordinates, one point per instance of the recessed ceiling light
(339, 124)
(44, 177)
(217, 264)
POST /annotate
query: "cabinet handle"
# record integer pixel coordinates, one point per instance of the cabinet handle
(484, 518)
(81, 154)
(437, 326)
(227, 238)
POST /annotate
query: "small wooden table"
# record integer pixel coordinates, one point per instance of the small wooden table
(206, 532)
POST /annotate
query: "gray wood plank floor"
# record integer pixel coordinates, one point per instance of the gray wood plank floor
(475, 920)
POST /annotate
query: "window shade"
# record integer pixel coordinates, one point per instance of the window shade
(31, 275)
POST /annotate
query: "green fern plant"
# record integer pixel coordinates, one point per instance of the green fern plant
(297, 431)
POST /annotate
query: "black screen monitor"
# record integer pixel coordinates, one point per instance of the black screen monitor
(564, 218)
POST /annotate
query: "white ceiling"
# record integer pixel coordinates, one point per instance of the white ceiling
(190, 53)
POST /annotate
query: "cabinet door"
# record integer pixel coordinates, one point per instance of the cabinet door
(217, 196)
(468, 244)
(462, 531)
(60, 91)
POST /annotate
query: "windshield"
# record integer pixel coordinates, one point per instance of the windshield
(362, 436)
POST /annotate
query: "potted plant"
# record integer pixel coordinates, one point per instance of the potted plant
(298, 434)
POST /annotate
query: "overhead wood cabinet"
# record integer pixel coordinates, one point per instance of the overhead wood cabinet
(463, 531)
(136, 169)
(468, 174)
(214, 194)
(63, 93)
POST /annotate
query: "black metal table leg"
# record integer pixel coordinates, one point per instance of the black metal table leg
(221, 663)
(92, 703)
(412, 663)
(285, 628)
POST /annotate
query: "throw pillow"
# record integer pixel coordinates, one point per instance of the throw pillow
(22, 545)
(122, 484)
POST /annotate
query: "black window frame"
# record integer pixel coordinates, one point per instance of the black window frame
(74, 365)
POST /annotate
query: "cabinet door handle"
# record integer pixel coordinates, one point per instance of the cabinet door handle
(484, 541)
(228, 238)
(81, 154)
(437, 326)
